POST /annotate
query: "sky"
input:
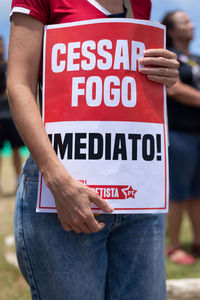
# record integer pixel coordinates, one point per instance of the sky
(159, 8)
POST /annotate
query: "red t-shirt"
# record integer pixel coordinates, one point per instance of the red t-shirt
(63, 11)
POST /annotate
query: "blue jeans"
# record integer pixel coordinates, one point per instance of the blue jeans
(184, 165)
(124, 261)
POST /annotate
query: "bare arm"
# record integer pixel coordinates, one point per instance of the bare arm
(23, 69)
(185, 94)
(72, 198)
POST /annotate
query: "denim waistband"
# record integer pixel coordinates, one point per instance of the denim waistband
(30, 168)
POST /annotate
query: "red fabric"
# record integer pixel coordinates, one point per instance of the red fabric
(38, 8)
(63, 11)
(141, 9)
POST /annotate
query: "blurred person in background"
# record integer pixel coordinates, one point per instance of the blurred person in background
(184, 137)
(7, 127)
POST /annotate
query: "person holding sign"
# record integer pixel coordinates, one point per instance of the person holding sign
(75, 254)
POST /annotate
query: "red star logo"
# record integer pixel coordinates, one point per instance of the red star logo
(129, 192)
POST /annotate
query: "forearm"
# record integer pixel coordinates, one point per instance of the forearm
(185, 94)
(29, 123)
(25, 47)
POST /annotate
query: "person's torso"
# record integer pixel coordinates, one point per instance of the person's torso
(184, 117)
(65, 11)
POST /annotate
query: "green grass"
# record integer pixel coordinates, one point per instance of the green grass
(12, 285)
(177, 271)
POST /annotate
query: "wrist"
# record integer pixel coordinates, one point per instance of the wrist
(54, 173)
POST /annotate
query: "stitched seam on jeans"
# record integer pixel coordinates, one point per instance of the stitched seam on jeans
(32, 179)
(20, 221)
(22, 192)
(27, 260)
(114, 224)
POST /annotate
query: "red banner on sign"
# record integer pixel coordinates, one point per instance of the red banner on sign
(98, 78)
(117, 192)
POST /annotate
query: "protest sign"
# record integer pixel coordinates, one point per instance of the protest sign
(105, 120)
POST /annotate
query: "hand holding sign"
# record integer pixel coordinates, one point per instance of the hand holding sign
(105, 119)
(72, 200)
(161, 66)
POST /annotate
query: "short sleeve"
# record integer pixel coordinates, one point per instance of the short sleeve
(38, 9)
(141, 9)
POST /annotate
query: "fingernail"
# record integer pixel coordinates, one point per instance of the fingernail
(102, 225)
(110, 209)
